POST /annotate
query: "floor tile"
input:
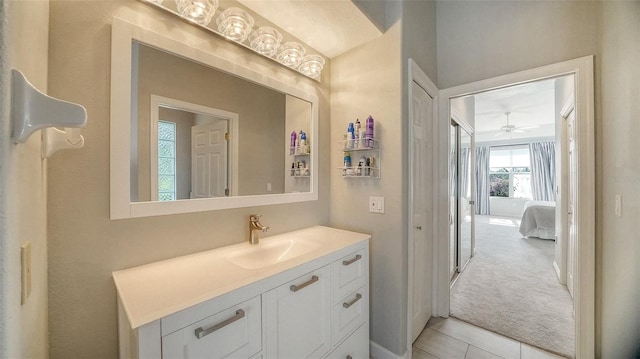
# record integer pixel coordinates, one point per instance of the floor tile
(477, 353)
(440, 345)
(529, 352)
(419, 354)
(478, 337)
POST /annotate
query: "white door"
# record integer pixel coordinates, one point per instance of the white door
(422, 208)
(209, 160)
(571, 200)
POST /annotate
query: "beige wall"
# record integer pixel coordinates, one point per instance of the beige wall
(618, 172)
(478, 40)
(356, 93)
(23, 192)
(85, 246)
(372, 80)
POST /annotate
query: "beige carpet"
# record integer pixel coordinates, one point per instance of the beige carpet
(510, 287)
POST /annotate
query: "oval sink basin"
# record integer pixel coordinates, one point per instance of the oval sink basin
(269, 253)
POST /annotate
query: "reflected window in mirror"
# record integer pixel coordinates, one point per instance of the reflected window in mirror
(166, 161)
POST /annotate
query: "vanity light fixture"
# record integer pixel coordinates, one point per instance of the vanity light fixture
(198, 11)
(291, 54)
(265, 40)
(312, 65)
(235, 24)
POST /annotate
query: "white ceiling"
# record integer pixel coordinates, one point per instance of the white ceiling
(531, 107)
(329, 26)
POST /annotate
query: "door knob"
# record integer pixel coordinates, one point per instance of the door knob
(419, 228)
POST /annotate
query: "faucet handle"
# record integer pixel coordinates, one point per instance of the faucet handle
(265, 229)
(254, 217)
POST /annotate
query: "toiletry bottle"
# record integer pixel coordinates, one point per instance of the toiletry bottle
(303, 142)
(369, 133)
(367, 171)
(362, 139)
(361, 166)
(350, 135)
(356, 134)
(292, 149)
(299, 142)
(293, 169)
(347, 163)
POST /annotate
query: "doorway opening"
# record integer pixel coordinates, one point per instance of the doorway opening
(512, 284)
(583, 209)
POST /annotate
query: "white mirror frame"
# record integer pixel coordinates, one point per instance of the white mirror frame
(122, 35)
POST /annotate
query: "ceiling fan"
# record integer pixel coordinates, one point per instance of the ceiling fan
(509, 128)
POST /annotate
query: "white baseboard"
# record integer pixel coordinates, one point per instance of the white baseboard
(377, 351)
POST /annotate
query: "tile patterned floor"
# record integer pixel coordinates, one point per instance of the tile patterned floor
(454, 339)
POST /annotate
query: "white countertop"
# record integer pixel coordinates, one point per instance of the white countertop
(153, 291)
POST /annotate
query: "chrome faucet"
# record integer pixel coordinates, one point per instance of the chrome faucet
(254, 227)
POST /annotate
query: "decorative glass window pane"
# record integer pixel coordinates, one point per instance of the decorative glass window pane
(166, 131)
(165, 183)
(166, 148)
(166, 166)
(499, 184)
(166, 161)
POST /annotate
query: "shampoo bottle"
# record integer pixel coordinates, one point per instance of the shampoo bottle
(369, 131)
(350, 135)
(356, 134)
(292, 148)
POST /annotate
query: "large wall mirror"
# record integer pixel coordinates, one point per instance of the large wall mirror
(191, 131)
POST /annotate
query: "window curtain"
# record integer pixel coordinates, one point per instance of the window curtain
(482, 180)
(543, 170)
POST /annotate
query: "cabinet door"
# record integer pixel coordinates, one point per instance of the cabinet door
(231, 333)
(298, 316)
(356, 346)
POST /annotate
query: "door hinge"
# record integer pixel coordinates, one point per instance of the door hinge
(226, 136)
(226, 192)
(472, 202)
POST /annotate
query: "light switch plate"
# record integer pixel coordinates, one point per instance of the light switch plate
(25, 264)
(376, 204)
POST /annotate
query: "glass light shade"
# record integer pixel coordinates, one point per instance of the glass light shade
(265, 40)
(312, 65)
(235, 24)
(198, 11)
(291, 54)
(159, 2)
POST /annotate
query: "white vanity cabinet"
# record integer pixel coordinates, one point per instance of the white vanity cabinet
(203, 306)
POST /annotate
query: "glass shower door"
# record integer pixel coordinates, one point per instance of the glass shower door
(465, 203)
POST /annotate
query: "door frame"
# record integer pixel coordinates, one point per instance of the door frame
(418, 76)
(584, 300)
(234, 134)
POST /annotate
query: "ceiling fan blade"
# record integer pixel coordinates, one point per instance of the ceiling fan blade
(498, 134)
(519, 130)
(528, 127)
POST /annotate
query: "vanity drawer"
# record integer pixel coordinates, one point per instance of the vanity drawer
(355, 347)
(349, 273)
(233, 332)
(349, 313)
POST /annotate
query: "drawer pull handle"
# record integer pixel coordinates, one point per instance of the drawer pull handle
(349, 357)
(355, 259)
(204, 332)
(353, 301)
(295, 288)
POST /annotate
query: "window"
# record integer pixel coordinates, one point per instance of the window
(166, 161)
(510, 173)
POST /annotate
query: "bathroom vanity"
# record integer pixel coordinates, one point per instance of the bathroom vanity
(302, 294)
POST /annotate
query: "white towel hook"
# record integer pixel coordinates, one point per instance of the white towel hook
(32, 110)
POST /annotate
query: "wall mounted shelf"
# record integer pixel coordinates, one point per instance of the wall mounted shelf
(367, 148)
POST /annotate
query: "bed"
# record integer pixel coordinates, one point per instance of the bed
(539, 220)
